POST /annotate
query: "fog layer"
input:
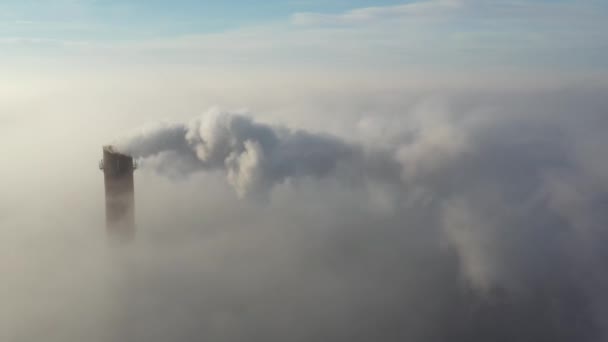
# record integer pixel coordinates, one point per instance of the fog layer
(385, 215)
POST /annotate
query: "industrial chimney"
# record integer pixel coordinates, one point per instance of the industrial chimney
(120, 198)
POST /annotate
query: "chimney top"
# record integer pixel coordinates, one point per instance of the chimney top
(112, 150)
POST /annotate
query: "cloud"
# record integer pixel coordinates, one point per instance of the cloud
(495, 224)
(415, 9)
(424, 35)
(464, 213)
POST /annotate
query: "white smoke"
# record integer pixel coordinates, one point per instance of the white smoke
(253, 156)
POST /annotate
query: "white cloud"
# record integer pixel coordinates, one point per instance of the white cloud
(207, 265)
(463, 35)
(368, 14)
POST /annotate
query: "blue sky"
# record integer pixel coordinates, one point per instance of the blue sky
(565, 34)
(103, 19)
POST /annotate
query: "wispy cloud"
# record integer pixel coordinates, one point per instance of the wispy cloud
(469, 34)
(368, 14)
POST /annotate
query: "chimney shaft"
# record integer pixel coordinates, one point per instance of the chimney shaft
(120, 198)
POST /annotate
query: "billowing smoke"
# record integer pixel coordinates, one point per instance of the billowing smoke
(253, 156)
(504, 208)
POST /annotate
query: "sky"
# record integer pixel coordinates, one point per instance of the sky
(466, 34)
(431, 170)
(148, 18)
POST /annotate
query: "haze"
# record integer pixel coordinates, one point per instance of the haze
(430, 170)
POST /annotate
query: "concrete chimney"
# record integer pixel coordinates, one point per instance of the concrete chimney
(120, 197)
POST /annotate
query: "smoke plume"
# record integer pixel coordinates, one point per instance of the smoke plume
(506, 205)
(253, 156)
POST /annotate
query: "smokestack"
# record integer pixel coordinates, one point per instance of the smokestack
(120, 197)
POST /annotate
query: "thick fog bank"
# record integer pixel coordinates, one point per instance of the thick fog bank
(455, 218)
